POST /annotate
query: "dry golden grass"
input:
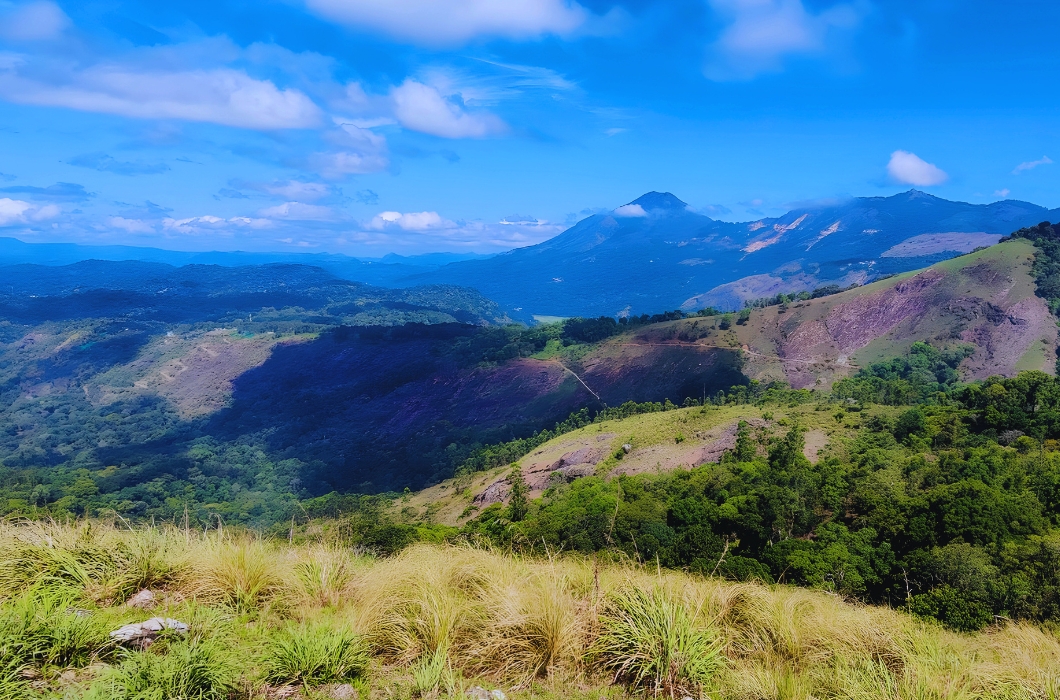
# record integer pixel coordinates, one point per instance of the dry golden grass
(442, 613)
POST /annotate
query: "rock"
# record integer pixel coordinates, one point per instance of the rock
(627, 448)
(479, 693)
(144, 600)
(586, 455)
(494, 493)
(576, 471)
(343, 692)
(145, 632)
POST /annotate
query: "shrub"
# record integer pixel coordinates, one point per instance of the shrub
(652, 642)
(952, 608)
(314, 654)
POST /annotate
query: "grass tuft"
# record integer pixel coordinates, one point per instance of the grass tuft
(650, 639)
(314, 654)
(197, 669)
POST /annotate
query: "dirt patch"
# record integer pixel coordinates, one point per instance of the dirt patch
(815, 442)
(708, 447)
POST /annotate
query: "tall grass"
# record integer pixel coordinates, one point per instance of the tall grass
(433, 619)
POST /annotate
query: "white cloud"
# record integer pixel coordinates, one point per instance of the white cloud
(909, 169)
(423, 108)
(16, 211)
(220, 96)
(1032, 164)
(298, 211)
(1002, 193)
(33, 21)
(413, 221)
(455, 21)
(761, 33)
(631, 210)
(130, 225)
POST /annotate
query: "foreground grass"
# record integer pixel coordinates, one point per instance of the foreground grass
(270, 620)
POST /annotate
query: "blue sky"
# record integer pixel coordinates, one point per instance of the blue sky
(375, 126)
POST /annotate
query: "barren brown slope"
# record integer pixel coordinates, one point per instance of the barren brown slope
(985, 299)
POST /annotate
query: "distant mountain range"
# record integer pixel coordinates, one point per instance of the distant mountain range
(656, 253)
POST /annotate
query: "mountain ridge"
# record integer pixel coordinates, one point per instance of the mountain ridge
(636, 259)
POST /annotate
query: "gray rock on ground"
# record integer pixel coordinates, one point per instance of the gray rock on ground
(343, 692)
(479, 693)
(145, 632)
(144, 600)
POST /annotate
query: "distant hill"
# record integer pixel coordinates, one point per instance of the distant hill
(382, 271)
(655, 253)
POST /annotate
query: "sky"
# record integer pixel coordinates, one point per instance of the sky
(369, 127)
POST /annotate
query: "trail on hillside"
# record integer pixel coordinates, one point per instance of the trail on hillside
(729, 347)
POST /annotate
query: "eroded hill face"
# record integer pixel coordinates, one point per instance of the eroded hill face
(985, 299)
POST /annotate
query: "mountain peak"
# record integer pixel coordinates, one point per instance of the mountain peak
(659, 200)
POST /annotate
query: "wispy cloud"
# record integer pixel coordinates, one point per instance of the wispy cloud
(105, 163)
(439, 22)
(1002, 193)
(909, 169)
(300, 211)
(60, 191)
(760, 34)
(33, 21)
(221, 95)
(1032, 164)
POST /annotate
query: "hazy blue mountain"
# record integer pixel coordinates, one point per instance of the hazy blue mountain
(655, 253)
(382, 271)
